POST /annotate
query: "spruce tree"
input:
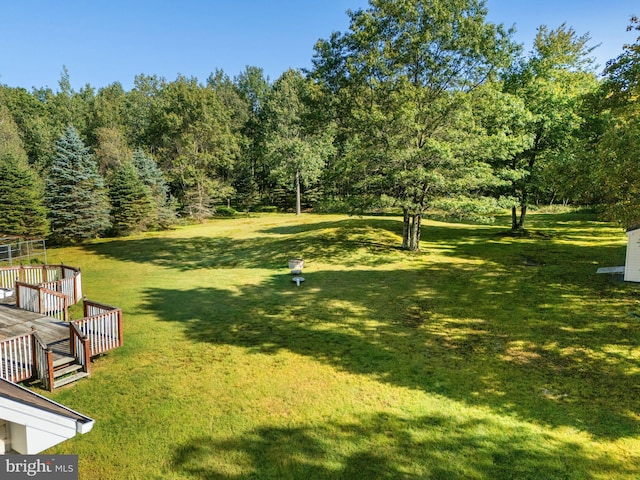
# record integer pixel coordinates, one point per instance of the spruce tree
(21, 199)
(75, 192)
(131, 200)
(163, 214)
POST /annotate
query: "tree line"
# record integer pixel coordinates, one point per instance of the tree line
(422, 106)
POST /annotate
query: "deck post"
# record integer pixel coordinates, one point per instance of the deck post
(120, 332)
(34, 352)
(72, 342)
(66, 308)
(87, 354)
(40, 300)
(50, 377)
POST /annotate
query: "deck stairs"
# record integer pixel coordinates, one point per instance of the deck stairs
(66, 368)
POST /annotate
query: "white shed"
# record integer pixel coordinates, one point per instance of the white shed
(632, 262)
(31, 423)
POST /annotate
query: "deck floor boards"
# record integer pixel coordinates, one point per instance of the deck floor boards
(15, 322)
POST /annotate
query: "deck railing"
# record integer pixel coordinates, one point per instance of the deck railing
(16, 358)
(80, 347)
(102, 325)
(38, 299)
(58, 278)
(43, 361)
(49, 290)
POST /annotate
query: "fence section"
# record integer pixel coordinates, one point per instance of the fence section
(80, 347)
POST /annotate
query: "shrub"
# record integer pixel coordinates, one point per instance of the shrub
(226, 212)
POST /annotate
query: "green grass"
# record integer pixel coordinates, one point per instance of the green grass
(485, 356)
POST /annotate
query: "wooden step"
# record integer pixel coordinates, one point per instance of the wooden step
(63, 360)
(61, 372)
(69, 379)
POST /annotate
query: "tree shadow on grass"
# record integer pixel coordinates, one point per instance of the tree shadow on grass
(270, 249)
(368, 242)
(522, 325)
(449, 330)
(388, 446)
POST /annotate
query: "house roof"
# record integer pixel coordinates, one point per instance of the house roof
(22, 395)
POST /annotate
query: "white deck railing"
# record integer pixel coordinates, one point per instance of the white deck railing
(59, 278)
(102, 325)
(38, 299)
(16, 358)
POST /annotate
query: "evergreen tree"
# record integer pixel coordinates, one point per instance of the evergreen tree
(131, 200)
(163, 213)
(75, 193)
(21, 199)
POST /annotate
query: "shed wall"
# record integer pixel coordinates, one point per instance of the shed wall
(632, 262)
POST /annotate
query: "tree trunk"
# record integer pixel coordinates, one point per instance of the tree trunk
(517, 224)
(298, 203)
(514, 218)
(415, 233)
(523, 213)
(405, 229)
(411, 231)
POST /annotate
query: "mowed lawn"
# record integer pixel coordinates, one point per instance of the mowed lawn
(484, 356)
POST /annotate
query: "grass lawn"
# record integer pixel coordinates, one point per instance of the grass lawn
(485, 356)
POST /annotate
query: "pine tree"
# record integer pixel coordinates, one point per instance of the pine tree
(163, 214)
(75, 192)
(131, 200)
(21, 200)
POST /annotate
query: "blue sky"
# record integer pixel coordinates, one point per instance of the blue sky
(104, 41)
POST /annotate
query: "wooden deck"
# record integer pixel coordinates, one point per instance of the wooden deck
(15, 322)
(38, 339)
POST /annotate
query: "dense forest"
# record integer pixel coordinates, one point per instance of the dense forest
(413, 108)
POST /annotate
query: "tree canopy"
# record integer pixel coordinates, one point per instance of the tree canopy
(422, 107)
(406, 71)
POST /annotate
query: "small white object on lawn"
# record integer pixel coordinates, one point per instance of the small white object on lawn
(298, 280)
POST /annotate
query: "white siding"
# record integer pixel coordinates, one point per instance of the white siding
(632, 262)
(4, 438)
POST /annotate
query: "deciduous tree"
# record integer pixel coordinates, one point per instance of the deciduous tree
(197, 149)
(552, 81)
(616, 154)
(403, 71)
(295, 152)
